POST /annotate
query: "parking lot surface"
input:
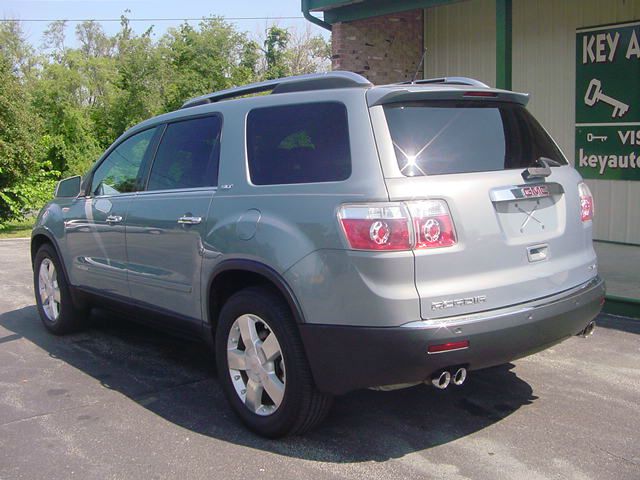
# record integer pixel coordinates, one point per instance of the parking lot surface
(122, 401)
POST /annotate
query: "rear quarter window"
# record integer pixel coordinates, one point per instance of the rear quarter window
(434, 138)
(304, 143)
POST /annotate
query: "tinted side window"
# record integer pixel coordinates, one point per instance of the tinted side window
(120, 172)
(188, 155)
(298, 144)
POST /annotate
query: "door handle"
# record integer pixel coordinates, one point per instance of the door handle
(189, 220)
(114, 219)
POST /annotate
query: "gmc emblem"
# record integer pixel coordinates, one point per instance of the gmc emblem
(535, 191)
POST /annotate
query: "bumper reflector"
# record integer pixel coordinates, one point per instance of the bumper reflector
(448, 347)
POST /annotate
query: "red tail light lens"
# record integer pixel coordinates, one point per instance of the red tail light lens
(586, 202)
(376, 227)
(398, 226)
(432, 224)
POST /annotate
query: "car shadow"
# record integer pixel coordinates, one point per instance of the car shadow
(176, 380)
(624, 324)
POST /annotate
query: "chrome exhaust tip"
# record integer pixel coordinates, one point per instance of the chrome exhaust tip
(460, 376)
(441, 380)
(588, 330)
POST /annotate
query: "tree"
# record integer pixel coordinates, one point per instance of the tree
(53, 39)
(307, 53)
(15, 49)
(93, 41)
(275, 45)
(199, 61)
(137, 84)
(22, 179)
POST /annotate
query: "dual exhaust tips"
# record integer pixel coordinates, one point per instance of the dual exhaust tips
(444, 378)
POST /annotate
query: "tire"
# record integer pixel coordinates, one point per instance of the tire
(55, 304)
(280, 397)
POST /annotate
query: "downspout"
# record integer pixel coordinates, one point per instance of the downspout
(311, 18)
(504, 60)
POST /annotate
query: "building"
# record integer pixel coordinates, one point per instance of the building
(579, 60)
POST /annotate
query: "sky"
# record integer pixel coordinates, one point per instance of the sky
(144, 9)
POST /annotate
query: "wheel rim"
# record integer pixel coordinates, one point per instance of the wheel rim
(256, 364)
(49, 290)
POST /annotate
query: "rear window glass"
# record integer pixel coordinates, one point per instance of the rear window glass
(433, 138)
(303, 143)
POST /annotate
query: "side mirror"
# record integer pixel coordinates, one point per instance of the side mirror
(69, 187)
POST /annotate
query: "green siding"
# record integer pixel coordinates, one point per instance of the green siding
(503, 44)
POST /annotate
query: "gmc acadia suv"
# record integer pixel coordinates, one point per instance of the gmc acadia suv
(330, 236)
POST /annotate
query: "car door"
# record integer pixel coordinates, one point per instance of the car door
(165, 222)
(95, 223)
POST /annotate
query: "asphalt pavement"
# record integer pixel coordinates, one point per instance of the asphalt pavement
(122, 401)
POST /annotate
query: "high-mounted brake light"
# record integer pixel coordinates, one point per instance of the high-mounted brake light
(398, 226)
(586, 202)
(480, 94)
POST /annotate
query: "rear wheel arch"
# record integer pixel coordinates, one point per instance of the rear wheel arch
(232, 276)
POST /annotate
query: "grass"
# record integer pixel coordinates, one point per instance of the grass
(17, 229)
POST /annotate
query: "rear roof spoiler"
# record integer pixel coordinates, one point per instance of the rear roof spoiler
(393, 94)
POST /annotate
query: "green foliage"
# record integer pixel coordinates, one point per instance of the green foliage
(19, 129)
(15, 49)
(211, 58)
(27, 194)
(61, 107)
(299, 139)
(275, 52)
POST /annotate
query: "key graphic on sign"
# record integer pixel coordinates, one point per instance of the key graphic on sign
(594, 94)
(591, 137)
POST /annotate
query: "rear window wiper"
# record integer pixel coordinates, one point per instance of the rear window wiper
(541, 172)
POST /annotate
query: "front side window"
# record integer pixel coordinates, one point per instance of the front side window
(120, 172)
(441, 137)
(303, 143)
(188, 155)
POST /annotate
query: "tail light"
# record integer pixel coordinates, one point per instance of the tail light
(432, 224)
(586, 202)
(398, 226)
(376, 227)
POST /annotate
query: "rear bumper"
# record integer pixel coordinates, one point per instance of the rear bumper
(346, 358)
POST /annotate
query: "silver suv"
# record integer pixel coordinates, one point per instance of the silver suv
(330, 236)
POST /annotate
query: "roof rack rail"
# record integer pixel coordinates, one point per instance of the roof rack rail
(298, 83)
(451, 81)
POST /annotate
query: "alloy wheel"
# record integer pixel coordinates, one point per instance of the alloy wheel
(49, 290)
(256, 364)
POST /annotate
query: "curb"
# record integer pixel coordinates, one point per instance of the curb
(625, 306)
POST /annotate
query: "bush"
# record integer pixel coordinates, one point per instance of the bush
(27, 195)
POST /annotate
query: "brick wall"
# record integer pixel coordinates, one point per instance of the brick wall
(385, 49)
